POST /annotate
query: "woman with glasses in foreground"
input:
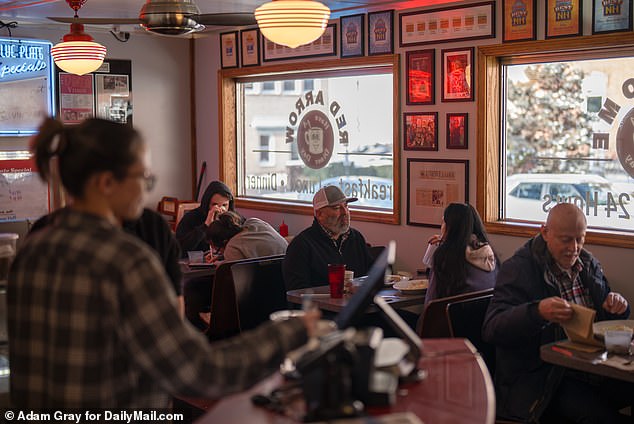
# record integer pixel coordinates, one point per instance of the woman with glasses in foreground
(92, 320)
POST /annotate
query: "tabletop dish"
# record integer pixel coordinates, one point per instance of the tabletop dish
(391, 279)
(601, 327)
(412, 286)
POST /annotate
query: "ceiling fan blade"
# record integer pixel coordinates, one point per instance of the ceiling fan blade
(96, 21)
(225, 19)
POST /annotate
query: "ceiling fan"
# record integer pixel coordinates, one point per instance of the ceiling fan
(165, 17)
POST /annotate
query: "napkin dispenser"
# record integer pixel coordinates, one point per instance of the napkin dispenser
(339, 377)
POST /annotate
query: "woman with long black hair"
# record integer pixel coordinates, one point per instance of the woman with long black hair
(463, 260)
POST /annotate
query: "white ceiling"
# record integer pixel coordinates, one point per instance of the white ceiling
(29, 12)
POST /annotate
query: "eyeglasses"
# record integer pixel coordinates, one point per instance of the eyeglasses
(149, 179)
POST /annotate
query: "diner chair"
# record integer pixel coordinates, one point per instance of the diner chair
(465, 319)
(433, 322)
(375, 251)
(241, 297)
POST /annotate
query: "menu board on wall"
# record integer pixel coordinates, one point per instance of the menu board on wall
(26, 81)
(22, 194)
(76, 97)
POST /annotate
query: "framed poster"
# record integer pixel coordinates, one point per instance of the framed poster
(23, 195)
(352, 35)
(420, 74)
(250, 47)
(381, 32)
(420, 131)
(326, 45)
(611, 16)
(563, 21)
(432, 184)
(457, 75)
(448, 24)
(76, 97)
(457, 130)
(519, 22)
(229, 50)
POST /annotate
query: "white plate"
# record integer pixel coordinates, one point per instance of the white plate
(601, 327)
(391, 279)
(412, 286)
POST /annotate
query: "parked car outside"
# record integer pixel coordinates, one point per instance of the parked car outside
(529, 197)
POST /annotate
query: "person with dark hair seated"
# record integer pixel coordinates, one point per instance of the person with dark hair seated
(236, 238)
(463, 260)
(191, 235)
(190, 231)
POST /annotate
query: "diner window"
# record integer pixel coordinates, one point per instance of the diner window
(339, 132)
(567, 124)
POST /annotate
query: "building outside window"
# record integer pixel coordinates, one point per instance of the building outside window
(337, 131)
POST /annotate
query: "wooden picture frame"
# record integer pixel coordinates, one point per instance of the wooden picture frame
(420, 131)
(432, 184)
(420, 73)
(250, 47)
(352, 35)
(448, 24)
(519, 20)
(615, 17)
(567, 23)
(458, 76)
(457, 130)
(326, 45)
(229, 50)
(381, 32)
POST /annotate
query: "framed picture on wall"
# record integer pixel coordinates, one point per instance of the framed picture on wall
(563, 22)
(381, 32)
(519, 22)
(612, 16)
(326, 45)
(249, 43)
(432, 184)
(229, 50)
(352, 36)
(420, 74)
(447, 24)
(457, 130)
(457, 75)
(420, 131)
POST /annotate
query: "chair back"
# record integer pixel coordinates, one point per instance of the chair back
(433, 322)
(235, 291)
(259, 288)
(184, 207)
(465, 320)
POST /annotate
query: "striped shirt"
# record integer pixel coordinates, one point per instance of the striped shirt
(93, 322)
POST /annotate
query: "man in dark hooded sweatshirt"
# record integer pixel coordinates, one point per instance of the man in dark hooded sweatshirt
(190, 231)
(190, 234)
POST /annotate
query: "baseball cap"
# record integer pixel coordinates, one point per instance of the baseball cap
(330, 196)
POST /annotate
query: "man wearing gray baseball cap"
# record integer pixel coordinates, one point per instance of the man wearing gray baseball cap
(330, 240)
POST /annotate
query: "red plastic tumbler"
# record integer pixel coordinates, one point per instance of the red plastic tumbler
(335, 279)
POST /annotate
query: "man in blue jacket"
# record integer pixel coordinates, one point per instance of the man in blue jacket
(533, 293)
(330, 240)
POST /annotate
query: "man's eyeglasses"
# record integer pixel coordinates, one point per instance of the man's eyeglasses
(149, 179)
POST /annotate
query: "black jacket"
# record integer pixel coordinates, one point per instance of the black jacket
(190, 231)
(524, 383)
(307, 257)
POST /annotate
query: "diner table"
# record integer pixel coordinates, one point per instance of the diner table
(457, 389)
(321, 298)
(196, 270)
(599, 363)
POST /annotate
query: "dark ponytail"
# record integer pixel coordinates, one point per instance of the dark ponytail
(94, 146)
